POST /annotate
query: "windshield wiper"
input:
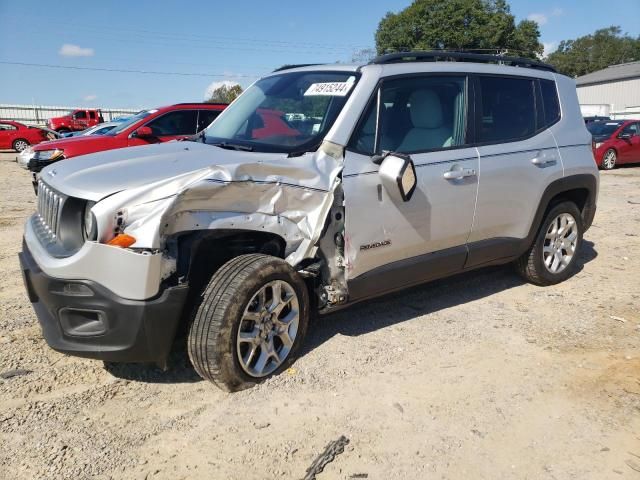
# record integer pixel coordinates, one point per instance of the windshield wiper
(233, 146)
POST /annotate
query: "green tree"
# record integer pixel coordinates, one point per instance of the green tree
(604, 47)
(480, 25)
(225, 94)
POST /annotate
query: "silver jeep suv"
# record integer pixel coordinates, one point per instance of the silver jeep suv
(319, 187)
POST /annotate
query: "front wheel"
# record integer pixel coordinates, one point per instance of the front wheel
(251, 322)
(552, 257)
(609, 159)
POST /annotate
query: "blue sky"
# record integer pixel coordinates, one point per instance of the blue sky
(213, 42)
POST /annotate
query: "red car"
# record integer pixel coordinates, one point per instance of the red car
(17, 136)
(146, 127)
(76, 120)
(616, 142)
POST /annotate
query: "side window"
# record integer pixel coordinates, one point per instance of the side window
(7, 126)
(632, 128)
(416, 114)
(205, 117)
(550, 102)
(180, 122)
(92, 115)
(80, 115)
(508, 109)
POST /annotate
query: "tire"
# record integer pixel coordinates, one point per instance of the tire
(609, 159)
(62, 131)
(19, 144)
(532, 265)
(232, 331)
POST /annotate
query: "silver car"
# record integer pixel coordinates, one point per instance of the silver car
(319, 187)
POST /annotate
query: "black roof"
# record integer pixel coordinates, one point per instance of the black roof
(456, 56)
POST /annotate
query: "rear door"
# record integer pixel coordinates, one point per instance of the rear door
(7, 132)
(518, 159)
(169, 126)
(391, 244)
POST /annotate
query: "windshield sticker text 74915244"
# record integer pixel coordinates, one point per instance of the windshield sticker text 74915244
(334, 89)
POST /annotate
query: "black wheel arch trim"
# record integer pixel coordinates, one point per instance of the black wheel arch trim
(562, 185)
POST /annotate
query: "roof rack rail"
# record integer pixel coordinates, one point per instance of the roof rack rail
(457, 56)
(288, 67)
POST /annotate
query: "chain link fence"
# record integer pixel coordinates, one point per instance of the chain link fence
(39, 114)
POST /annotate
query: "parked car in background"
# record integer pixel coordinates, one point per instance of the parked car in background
(99, 129)
(595, 118)
(144, 128)
(616, 142)
(18, 136)
(76, 120)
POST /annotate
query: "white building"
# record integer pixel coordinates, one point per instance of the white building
(613, 91)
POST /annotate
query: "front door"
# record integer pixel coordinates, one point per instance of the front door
(170, 126)
(391, 244)
(629, 148)
(81, 120)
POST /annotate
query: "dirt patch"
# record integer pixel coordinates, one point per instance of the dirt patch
(477, 376)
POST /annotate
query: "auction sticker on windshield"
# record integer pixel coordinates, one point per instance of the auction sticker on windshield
(335, 89)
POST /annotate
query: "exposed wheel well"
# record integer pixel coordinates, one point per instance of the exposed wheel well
(201, 253)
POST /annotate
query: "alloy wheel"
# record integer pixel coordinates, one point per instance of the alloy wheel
(609, 159)
(268, 328)
(560, 243)
(20, 145)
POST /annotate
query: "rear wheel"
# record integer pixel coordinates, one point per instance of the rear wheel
(609, 159)
(20, 144)
(62, 131)
(552, 257)
(251, 322)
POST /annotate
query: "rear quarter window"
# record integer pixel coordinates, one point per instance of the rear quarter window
(550, 102)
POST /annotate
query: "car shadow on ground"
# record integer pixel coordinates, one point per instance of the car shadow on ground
(422, 300)
(362, 318)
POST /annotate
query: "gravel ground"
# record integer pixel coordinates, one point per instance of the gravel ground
(478, 376)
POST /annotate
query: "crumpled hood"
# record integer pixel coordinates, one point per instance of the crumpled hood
(96, 176)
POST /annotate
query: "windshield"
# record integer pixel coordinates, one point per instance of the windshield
(124, 125)
(283, 113)
(600, 129)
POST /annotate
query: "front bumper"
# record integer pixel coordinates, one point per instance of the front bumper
(85, 319)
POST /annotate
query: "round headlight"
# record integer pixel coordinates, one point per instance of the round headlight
(89, 222)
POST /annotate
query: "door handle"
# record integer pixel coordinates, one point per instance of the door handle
(458, 173)
(543, 161)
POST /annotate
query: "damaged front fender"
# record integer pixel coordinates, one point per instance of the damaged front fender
(289, 197)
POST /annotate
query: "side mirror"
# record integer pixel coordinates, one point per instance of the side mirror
(143, 132)
(625, 136)
(398, 176)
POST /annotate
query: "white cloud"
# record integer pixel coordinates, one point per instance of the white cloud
(212, 87)
(70, 50)
(543, 18)
(89, 98)
(549, 47)
(539, 18)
